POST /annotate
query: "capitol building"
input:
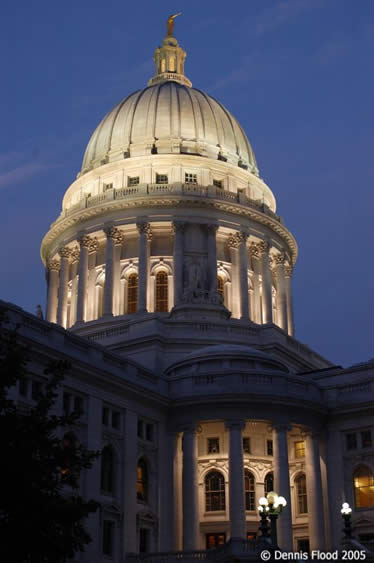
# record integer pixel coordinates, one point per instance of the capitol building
(169, 275)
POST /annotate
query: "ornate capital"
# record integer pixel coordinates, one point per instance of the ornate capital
(234, 240)
(254, 250)
(279, 259)
(115, 234)
(288, 271)
(263, 247)
(53, 265)
(145, 229)
(75, 254)
(84, 241)
(65, 252)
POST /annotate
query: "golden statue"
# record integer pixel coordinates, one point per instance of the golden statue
(170, 24)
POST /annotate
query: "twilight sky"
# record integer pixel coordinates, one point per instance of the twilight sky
(297, 74)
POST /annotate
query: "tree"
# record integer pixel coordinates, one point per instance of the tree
(41, 511)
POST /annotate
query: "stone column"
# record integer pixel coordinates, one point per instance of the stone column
(290, 320)
(314, 493)
(145, 236)
(178, 229)
(63, 286)
(282, 485)
(212, 258)
(236, 481)
(281, 290)
(53, 270)
(267, 307)
(256, 315)
(87, 245)
(74, 284)
(190, 492)
(167, 507)
(233, 244)
(114, 237)
(243, 274)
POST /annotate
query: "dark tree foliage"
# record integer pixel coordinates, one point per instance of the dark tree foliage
(41, 513)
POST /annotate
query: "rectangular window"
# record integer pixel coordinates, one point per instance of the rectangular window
(213, 445)
(36, 389)
(300, 449)
(269, 447)
(190, 178)
(161, 179)
(108, 529)
(78, 405)
(140, 429)
(23, 387)
(133, 180)
(366, 439)
(247, 445)
(116, 420)
(149, 432)
(303, 545)
(215, 540)
(351, 441)
(105, 416)
(66, 403)
(218, 183)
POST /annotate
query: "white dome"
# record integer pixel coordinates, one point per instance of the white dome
(165, 118)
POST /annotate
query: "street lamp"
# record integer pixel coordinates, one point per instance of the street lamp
(346, 511)
(271, 506)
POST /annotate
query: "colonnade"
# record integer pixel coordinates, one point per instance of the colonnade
(255, 303)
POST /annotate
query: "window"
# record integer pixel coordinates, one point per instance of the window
(213, 445)
(351, 441)
(142, 481)
(23, 387)
(72, 403)
(132, 181)
(105, 416)
(107, 469)
(107, 187)
(36, 390)
(78, 405)
(269, 483)
(163, 65)
(143, 540)
(171, 64)
(132, 293)
(247, 445)
(140, 429)
(116, 420)
(249, 490)
(190, 178)
(363, 482)
(161, 179)
(221, 286)
(300, 449)
(149, 432)
(214, 491)
(303, 545)
(269, 447)
(366, 439)
(161, 304)
(218, 183)
(214, 540)
(302, 502)
(108, 532)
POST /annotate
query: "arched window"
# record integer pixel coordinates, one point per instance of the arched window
(142, 481)
(171, 64)
(221, 287)
(214, 491)
(163, 65)
(363, 482)
(161, 304)
(249, 489)
(107, 469)
(302, 501)
(269, 483)
(132, 293)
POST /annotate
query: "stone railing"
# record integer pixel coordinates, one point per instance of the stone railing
(177, 189)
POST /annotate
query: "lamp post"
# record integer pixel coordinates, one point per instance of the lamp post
(346, 511)
(263, 509)
(271, 506)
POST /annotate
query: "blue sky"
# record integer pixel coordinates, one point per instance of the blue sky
(296, 73)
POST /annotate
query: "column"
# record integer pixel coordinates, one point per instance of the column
(236, 481)
(167, 498)
(267, 308)
(178, 229)
(114, 237)
(233, 244)
(53, 270)
(191, 522)
(256, 315)
(74, 284)
(212, 258)
(129, 482)
(314, 493)
(243, 274)
(290, 320)
(281, 290)
(87, 245)
(282, 485)
(63, 286)
(145, 237)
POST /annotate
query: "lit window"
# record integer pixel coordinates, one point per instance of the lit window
(133, 181)
(161, 179)
(302, 501)
(171, 64)
(269, 483)
(214, 491)
(142, 481)
(214, 540)
(132, 293)
(249, 489)
(366, 441)
(107, 469)
(247, 445)
(213, 445)
(300, 449)
(190, 178)
(269, 447)
(218, 183)
(351, 441)
(161, 304)
(363, 482)
(108, 532)
(163, 65)
(221, 286)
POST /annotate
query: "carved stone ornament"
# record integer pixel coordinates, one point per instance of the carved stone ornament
(196, 288)
(65, 252)
(145, 229)
(75, 254)
(288, 271)
(254, 250)
(53, 265)
(279, 259)
(263, 247)
(115, 234)
(233, 241)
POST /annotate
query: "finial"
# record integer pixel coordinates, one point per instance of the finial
(170, 24)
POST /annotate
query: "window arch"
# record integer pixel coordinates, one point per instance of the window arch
(214, 491)
(107, 469)
(161, 301)
(142, 482)
(132, 293)
(249, 489)
(301, 496)
(363, 483)
(221, 287)
(269, 483)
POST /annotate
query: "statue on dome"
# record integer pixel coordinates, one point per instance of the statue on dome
(170, 24)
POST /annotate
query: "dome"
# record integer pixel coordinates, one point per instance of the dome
(169, 117)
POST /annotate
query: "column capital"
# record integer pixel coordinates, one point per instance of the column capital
(235, 424)
(53, 265)
(144, 228)
(288, 271)
(75, 254)
(254, 250)
(264, 247)
(280, 258)
(115, 234)
(91, 243)
(233, 240)
(65, 252)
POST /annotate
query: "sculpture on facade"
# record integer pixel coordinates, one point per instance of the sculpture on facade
(170, 23)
